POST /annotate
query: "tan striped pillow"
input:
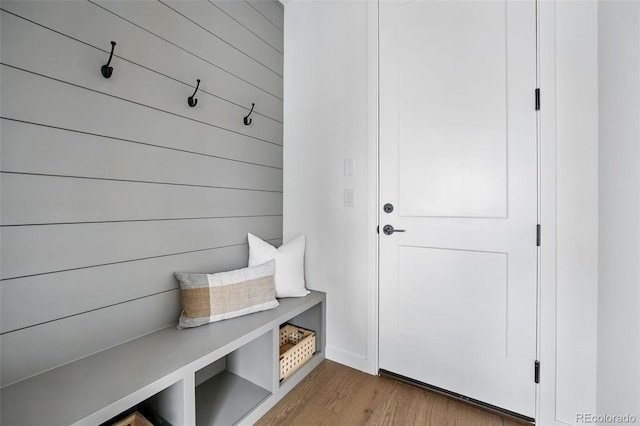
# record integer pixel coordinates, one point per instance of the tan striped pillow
(213, 297)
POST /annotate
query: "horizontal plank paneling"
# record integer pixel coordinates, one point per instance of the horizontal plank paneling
(98, 26)
(217, 22)
(29, 199)
(120, 119)
(72, 292)
(68, 293)
(110, 185)
(42, 149)
(271, 12)
(37, 349)
(65, 59)
(249, 17)
(37, 149)
(28, 250)
(161, 20)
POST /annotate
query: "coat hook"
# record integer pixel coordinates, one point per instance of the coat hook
(192, 101)
(106, 69)
(248, 120)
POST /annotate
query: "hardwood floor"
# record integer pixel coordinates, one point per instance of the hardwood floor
(334, 394)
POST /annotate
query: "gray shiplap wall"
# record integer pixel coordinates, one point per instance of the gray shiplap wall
(110, 185)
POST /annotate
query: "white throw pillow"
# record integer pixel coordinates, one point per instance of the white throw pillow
(289, 259)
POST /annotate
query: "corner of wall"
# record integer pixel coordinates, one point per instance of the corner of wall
(618, 379)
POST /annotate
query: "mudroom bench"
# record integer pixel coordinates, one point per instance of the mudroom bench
(222, 373)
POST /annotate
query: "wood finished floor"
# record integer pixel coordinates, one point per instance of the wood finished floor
(334, 394)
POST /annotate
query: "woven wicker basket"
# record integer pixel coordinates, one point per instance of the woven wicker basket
(135, 419)
(297, 346)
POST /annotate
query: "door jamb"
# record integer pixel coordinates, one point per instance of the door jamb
(546, 389)
(373, 186)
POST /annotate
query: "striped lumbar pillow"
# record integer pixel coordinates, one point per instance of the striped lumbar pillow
(213, 297)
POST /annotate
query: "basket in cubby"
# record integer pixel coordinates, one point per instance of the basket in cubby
(297, 346)
(134, 419)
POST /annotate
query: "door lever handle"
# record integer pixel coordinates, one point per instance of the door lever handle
(388, 230)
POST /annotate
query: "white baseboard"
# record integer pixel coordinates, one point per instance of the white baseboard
(351, 360)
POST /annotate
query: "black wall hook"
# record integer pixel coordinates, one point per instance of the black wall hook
(247, 120)
(191, 100)
(106, 69)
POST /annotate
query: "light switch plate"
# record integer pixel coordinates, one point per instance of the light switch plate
(349, 200)
(349, 167)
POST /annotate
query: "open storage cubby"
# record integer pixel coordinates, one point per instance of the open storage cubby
(245, 373)
(310, 319)
(164, 408)
(222, 373)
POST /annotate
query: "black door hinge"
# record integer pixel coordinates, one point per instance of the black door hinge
(536, 373)
(538, 232)
(538, 99)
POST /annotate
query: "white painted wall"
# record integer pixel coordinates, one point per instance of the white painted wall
(619, 201)
(576, 59)
(326, 115)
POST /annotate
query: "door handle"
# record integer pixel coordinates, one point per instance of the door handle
(388, 230)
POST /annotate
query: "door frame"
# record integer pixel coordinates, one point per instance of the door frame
(547, 183)
(546, 310)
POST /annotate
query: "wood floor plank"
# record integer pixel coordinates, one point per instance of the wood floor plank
(407, 405)
(334, 394)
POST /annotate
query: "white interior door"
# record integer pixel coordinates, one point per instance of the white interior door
(458, 162)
